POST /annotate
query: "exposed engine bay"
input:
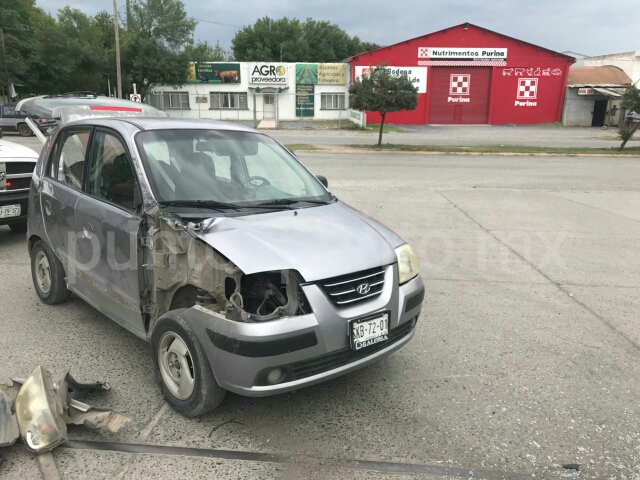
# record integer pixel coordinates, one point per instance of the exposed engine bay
(181, 271)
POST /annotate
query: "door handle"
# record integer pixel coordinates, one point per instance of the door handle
(47, 207)
(87, 230)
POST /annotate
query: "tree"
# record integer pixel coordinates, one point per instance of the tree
(290, 40)
(15, 43)
(152, 44)
(204, 52)
(379, 91)
(631, 102)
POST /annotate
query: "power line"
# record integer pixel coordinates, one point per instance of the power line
(218, 23)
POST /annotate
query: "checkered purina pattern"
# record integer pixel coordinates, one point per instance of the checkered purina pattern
(459, 84)
(527, 88)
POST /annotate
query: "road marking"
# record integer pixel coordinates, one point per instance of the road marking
(381, 467)
(144, 433)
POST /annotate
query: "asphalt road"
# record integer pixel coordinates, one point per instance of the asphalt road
(525, 358)
(459, 135)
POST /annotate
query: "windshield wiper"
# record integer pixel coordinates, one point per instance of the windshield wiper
(289, 201)
(211, 204)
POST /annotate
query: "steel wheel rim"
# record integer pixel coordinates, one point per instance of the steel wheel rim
(176, 365)
(43, 272)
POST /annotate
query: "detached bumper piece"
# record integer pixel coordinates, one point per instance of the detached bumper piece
(44, 408)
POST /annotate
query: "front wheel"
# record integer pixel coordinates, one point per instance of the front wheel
(181, 367)
(24, 130)
(48, 275)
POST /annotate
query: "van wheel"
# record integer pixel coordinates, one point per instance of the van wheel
(24, 130)
(18, 227)
(181, 367)
(48, 275)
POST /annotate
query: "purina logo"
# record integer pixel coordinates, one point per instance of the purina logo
(460, 84)
(527, 91)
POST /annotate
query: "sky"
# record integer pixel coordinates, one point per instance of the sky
(589, 27)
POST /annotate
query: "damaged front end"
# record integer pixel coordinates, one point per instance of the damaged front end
(43, 409)
(184, 271)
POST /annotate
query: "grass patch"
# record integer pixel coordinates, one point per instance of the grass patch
(387, 128)
(500, 149)
(617, 138)
(301, 146)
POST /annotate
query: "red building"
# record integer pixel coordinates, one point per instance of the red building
(467, 74)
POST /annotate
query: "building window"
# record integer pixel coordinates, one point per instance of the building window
(175, 100)
(332, 101)
(228, 101)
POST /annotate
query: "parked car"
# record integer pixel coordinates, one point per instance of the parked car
(12, 120)
(214, 243)
(16, 166)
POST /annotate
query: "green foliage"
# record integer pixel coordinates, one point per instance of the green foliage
(631, 102)
(379, 91)
(152, 44)
(291, 40)
(204, 52)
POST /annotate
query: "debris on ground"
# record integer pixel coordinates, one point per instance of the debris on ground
(39, 410)
(571, 466)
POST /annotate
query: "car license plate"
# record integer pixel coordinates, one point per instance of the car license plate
(10, 211)
(369, 331)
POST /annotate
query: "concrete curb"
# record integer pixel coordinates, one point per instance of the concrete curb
(495, 154)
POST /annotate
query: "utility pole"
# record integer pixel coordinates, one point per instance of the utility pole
(115, 28)
(5, 75)
(128, 12)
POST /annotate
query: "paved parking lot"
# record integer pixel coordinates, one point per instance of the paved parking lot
(525, 358)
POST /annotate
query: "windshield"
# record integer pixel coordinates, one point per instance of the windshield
(199, 167)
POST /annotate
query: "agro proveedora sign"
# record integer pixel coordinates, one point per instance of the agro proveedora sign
(417, 75)
(267, 74)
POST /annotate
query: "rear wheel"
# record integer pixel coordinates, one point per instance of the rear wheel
(48, 275)
(18, 227)
(182, 368)
(24, 130)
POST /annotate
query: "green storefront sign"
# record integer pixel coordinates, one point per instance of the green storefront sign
(207, 72)
(304, 101)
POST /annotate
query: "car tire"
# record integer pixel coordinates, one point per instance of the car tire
(18, 227)
(182, 368)
(24, 130)
(48, 275)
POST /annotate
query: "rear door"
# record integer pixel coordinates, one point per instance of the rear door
(61, 188)
(107, 219)
(8, 118)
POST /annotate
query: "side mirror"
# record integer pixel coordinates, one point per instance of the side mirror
(323, 180)
(137, 196)
(0, 132)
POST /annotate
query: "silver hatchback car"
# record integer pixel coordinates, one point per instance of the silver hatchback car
(215, 244)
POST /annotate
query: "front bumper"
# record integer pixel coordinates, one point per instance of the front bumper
(20, 198)
(309, 349)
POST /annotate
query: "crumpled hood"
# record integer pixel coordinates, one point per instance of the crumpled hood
(319, 242)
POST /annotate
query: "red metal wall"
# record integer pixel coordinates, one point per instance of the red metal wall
(525, 64)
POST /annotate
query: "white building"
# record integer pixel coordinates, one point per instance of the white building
(628, 62)
(257, 91)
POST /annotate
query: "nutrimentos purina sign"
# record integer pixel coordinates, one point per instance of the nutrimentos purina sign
(267, 74)
(462, 54)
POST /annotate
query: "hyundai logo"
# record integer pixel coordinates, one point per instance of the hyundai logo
(363, 288)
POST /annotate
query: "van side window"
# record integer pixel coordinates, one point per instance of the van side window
(110, 174)
(68, 164)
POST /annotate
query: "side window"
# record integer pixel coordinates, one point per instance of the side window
(68, 164)
(9, 111)
(111, 176)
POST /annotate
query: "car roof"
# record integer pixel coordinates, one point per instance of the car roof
(15, 150)
(166, 123)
